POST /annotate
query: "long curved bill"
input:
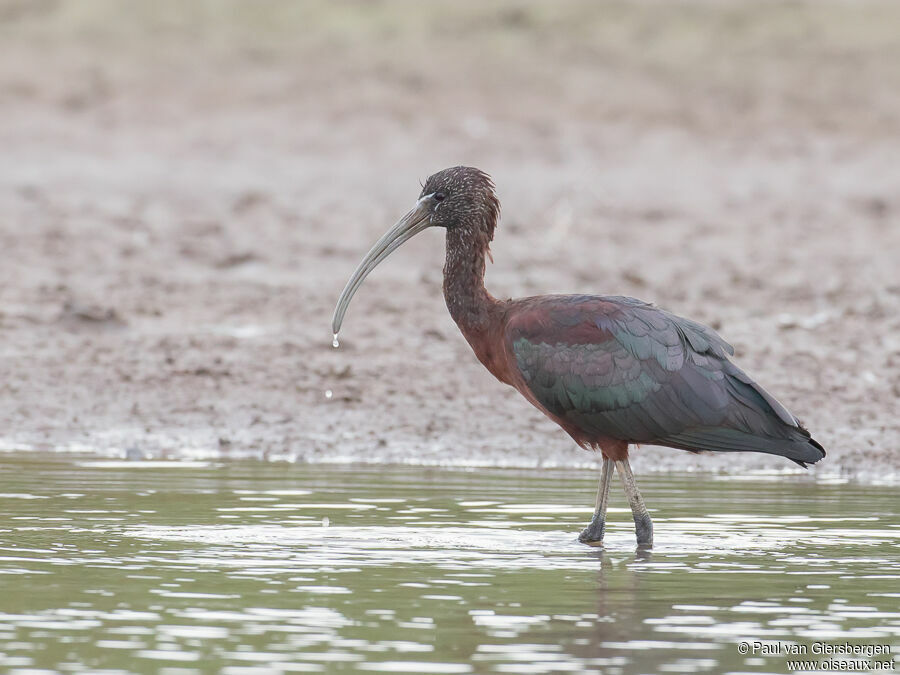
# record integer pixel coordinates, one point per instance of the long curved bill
(406, 228)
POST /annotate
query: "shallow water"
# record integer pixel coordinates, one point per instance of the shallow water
(187, 567)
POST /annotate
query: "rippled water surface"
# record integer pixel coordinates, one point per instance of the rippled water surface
(249, 567)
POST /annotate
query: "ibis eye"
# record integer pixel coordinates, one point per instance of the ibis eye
(439, 196)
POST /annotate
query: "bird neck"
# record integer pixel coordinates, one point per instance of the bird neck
(469, 302)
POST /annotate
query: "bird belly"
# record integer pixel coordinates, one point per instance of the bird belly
(612, 448)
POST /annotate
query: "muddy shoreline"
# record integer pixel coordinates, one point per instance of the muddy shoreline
(184, 194)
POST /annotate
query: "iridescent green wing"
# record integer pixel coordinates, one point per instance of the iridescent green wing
(619, 368)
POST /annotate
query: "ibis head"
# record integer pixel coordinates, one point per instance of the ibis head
(460, 199)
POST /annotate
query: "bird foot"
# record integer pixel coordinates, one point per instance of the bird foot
(643, 528)
(592, 535)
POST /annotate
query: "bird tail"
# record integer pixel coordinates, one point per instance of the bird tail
(797, 445)
(759, 424)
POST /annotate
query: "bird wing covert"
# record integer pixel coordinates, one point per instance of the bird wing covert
(620, 368)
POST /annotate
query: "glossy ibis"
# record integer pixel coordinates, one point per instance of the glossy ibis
(611, 371)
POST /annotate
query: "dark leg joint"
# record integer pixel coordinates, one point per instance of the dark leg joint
(592, 535)
(643, 527)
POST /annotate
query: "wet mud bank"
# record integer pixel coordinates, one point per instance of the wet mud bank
(183, 196)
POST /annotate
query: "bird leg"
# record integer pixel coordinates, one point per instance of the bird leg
(643, 526)
(592, 535)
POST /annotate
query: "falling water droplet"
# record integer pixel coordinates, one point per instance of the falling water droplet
(334, 341)
(325, 522)
(328, 393)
